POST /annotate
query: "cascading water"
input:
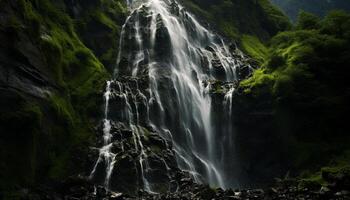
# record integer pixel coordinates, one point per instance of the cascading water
(178, 61)
(105, 153)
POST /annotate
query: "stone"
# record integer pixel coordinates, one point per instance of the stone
(116, 196)
(101, 191)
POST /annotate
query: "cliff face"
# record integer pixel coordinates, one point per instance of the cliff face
(235, 18)
(54, 57)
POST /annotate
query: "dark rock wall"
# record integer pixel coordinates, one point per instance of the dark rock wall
(53, 61)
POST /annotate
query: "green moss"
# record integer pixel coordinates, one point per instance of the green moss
(63, 109)
(260, 83)
(229, 30)
(69, 134)
(314, 181)
(336, 170)
(104, 19)
(253, 46)
(42, 137)
(61, 45)
(98, 25)
(30, 16)
(324, 177)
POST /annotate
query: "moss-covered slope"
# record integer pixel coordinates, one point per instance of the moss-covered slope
(234, 18)
(51, 78)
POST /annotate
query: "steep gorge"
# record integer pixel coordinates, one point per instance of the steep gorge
(144, 95)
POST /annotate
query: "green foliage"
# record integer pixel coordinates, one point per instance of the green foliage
(313, 181)
(229, 30)
(336, 23)
(253, 46)
(340, 167)
(63, 110)
(303, 76)
(317, 7)
(307, 21)
(259, 84)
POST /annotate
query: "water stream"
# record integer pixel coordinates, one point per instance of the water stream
(180, 59)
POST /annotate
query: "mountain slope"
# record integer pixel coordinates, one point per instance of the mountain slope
(234, 18)
(318, 7)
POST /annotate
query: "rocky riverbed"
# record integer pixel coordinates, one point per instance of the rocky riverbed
(80, 188)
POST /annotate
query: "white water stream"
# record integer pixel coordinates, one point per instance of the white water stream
(179, 57)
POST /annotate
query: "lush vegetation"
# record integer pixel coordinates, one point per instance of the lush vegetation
(303, 81)
(301, 91)
(318, 7)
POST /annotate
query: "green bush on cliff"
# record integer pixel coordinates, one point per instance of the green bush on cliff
(303, 75)
(307, 21)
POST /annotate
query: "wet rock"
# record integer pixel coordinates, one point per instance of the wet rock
(244, 72)
(126, 133)
(156, 140)
(162, 40)
(101, 191)
(116, 196)
(124, 176)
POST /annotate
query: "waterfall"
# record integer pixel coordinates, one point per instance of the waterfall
(175, 60)
(105, 153)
